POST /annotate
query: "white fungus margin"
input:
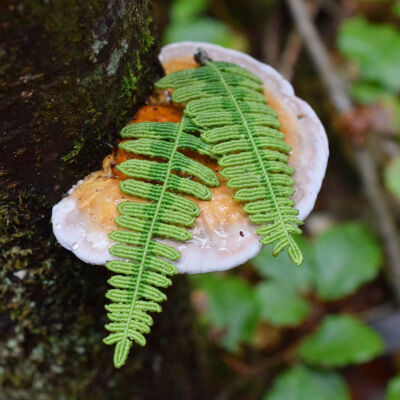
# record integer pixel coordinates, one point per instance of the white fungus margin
(228, 246)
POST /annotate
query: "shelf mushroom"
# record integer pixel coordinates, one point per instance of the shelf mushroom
(223, 236)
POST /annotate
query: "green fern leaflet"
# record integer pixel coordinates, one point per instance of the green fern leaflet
(227, 104)
(145, 264)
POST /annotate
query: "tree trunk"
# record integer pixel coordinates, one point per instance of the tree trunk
(72, 72)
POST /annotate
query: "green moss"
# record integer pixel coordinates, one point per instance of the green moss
(148, 40)
(138, 64)
(128, 83)
(78, 144)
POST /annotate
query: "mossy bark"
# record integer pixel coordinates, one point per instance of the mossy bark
(72, 72)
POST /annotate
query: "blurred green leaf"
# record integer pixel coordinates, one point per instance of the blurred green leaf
(393, 390)
(302, 383)
(339, 341)
(391, 176)
(392, 104)
(367, 92)
(375, 48)
(207, 30)
(282, 270)
(346, 256)
(280, 305)
(396, 8)
(232, 307)
(336, 263)
(183, 10)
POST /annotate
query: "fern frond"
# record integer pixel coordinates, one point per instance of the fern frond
(227, 104)
(146, 264)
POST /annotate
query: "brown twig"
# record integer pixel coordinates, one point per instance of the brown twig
(365, 162)
(294, 46)
(287, 355)
(290, 55)
(334, 84)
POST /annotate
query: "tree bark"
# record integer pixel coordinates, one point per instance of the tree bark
(71, 74)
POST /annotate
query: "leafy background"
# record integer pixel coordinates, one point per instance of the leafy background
(281, 332)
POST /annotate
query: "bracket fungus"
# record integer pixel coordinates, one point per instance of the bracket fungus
(222, 236)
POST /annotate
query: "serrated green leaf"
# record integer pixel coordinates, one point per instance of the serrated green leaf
(302, 383)
(346, 256)
(392, 177)
(232, 307)
(280, 305)
(339, 341)
(375, 48)
(393, 390)
(281, 269)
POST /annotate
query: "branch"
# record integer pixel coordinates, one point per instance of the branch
(294, 46)
(366, 166)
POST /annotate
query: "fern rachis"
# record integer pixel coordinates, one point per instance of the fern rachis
(226, 103)
(164, 214)
(265, 176)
